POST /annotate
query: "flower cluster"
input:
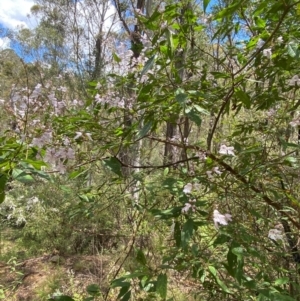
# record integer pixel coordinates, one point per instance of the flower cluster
(187, 189)
(275, 234)
(221, 219)
(295, 122)
(226, 150)
(215, 170)
(189, 206)
(294, 81)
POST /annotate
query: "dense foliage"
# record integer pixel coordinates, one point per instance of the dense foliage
(175, 140)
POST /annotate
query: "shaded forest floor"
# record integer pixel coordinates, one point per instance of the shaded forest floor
(37, 279)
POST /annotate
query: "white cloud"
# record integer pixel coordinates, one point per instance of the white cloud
(4, 43)
(14, 13)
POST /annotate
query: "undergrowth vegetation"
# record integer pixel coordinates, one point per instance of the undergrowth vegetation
(151, 155)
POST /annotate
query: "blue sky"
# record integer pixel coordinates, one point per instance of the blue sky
(14, 13)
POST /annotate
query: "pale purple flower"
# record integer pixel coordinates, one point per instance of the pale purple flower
(70, 153)
(295, 122)
(275, 234)
(294, 81)
(187, 189)
(62, 89)
(221, 219)
(202, 156)
(216, 170)
(186, 208)
(271, 113)
(99, 99)
(226, 150)
(189, 206)
(260, 43)
(267, 52)
(37, 91)
(44, 139)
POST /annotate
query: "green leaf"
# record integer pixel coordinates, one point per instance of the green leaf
(201, 110)
(3, 180)
(205, 4)
(293, 49)
(161, 288)
(148, 65)
(194, 116)
(124, 293)
(93, 289)
(77, 173)
(244, 98)
(114, 165)
(61, 298)
(36, 164)
(221, 239)
(168, 213)
(213, 272)
(220, 74)
(116, 58)
(22, 176)
(177, 234)
(187, 233)
(120, 283)
(238, 252)
(140, 257)
(228, 11)
(166, 171)
(181, 97)
(282, 280)
(144, 131)
(260, 23)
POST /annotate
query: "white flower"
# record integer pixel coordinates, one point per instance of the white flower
(78, 135)
(260, 43)
(202, 156)
(271, 113)
(89, 135)
(275, 234)
(214, 170)
(294, 81)
(187, 189)
(226, 150)
(267, 52)
(279, 40)
(188, 206)
(295, 122)
(221, 219)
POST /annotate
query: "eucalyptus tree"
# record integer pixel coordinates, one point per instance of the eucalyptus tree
(77, 35)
